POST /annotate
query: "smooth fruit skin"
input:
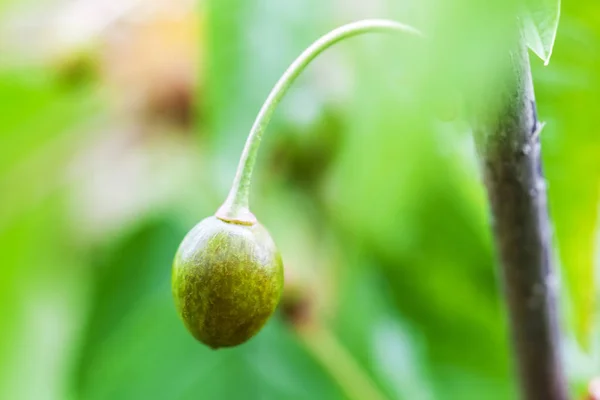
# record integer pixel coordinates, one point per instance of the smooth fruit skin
(227, 279)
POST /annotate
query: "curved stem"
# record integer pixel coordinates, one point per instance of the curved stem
(236, 206)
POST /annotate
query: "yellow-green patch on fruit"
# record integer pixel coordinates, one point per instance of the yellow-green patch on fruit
(227, 280)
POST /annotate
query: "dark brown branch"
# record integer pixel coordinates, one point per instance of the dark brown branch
(509, 147)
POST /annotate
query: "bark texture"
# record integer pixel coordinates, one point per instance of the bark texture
(509, 148)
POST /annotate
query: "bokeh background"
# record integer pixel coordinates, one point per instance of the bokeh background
(121, 123)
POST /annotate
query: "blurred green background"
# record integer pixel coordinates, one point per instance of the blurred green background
(121, 123)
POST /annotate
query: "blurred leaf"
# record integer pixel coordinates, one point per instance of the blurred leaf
(344, 293)
(42, 300)
(41, 278)
(540, 24)
(572, 157)
(134, 332)
(388, 346)
(38, 112)
(408, 190)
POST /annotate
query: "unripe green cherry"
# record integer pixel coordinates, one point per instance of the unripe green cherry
(227, 281)
(227, 274)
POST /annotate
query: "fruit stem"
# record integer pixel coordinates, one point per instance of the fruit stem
(236, 206)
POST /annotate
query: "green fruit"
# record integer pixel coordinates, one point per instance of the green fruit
(227, 280)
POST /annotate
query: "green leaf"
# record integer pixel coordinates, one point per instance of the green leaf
(422, 221)
(540, 25)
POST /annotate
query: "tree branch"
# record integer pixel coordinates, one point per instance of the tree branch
(509, 148)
